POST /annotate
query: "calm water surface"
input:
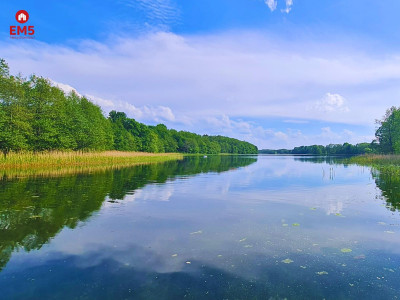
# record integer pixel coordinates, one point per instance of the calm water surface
(226, 227)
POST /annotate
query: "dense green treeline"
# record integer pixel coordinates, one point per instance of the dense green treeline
(331, 149)
(36, 116)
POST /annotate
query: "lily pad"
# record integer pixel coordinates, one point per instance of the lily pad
(346, 250)
(287, 261)
(322, 273)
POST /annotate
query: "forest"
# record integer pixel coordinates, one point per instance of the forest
(37, 116)
(331, 149)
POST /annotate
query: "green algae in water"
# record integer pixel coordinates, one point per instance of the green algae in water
(295, 224)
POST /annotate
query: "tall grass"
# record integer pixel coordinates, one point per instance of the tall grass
(46, 162)
(389, 163)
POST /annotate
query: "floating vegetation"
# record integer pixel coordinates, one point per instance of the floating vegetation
(174, 255)
(219, 255)
(390, 270)
(296, 224)
(322, 273)
(242, 240)
(188, 262)
(197, 232)
(285, 225)
(287, 261)
(346, 250)
(388, 231)
(303, 267)
(338, 214)
(248, 246)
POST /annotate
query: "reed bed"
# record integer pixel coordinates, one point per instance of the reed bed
(70, 162)
(383, 163)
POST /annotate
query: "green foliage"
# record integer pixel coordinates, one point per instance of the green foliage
(388, 133)
(36, 116)
(331, 149)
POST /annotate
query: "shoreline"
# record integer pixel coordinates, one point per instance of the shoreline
(30, 163)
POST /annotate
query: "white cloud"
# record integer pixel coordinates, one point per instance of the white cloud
(186, 80)
(271, 4)
(64, 87)
(332, 103)
(288, 8)
(101, 102)
(296, 121)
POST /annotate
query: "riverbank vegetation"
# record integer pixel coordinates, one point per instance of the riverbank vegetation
(37, 116)
(331, 149)
(28, 163)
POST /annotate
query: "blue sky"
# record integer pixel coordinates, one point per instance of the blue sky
(278, 73)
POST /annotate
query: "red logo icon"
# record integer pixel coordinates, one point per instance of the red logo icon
(22, 31)
(22, 16)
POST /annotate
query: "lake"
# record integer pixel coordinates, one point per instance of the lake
(216, 227)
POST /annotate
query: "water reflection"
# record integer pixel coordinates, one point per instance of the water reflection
(34, 210)
(274, 229)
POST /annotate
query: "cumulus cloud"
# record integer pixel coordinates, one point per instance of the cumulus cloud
(271, 4)
(64, 87)
(332, 103)
(288, 7)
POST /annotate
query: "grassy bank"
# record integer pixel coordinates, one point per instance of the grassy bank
(70, 162)
(383, 163)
